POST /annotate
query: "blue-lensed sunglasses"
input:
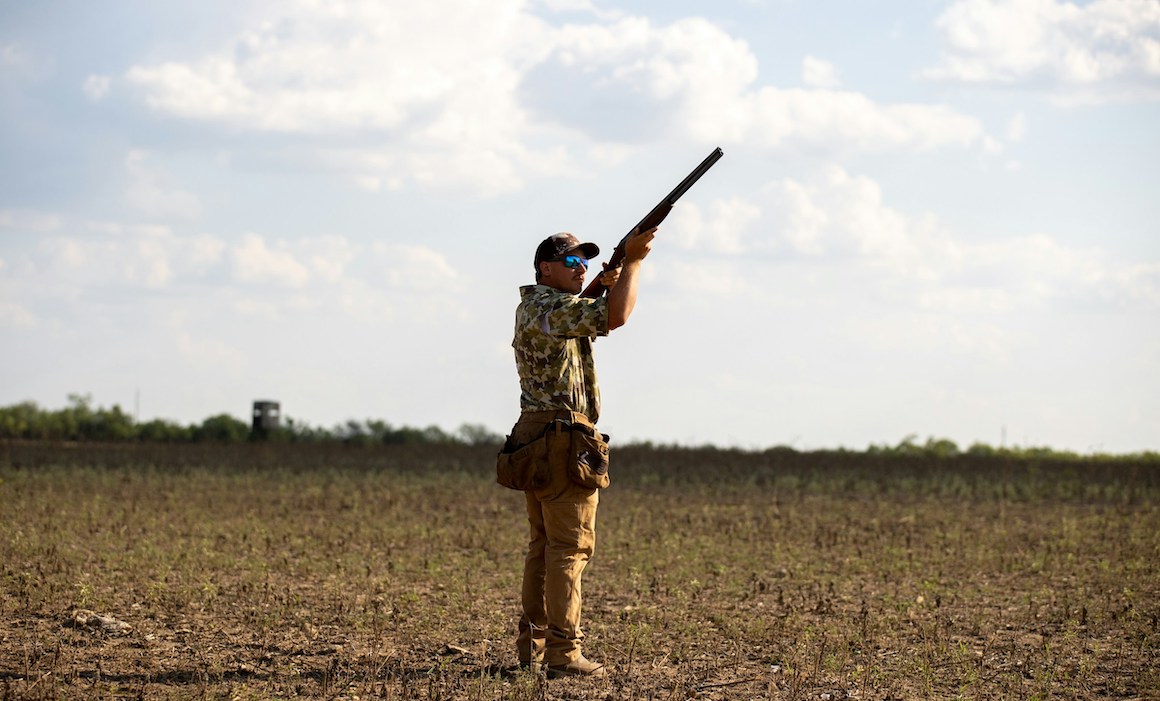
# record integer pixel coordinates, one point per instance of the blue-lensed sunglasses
(572, 261)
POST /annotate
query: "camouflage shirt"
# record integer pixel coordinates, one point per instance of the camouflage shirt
(553, 344)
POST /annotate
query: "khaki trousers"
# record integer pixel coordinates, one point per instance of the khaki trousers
(562, 517)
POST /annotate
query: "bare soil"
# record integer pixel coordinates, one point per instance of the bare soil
(257, 572)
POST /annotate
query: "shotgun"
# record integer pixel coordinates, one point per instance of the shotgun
(653, 218)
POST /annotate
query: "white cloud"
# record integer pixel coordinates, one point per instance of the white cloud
(28, 220)
(12, 55)
(435, 84)
(694, 80)
(932, 330)
(76, 262)
(1096, 51)
(840, 217)
(707, 279)
(150, 190)
(842, 221)
(17, 64)
(202, 252)
(1143, 279)
(97, 86)
(483, 96)
(586, 6)
(11, 312)
(796, 217)
(818, 73)
(718, 232)
(416, 268)
(256, 263)
(854, 120)
(1017, 127)
(306, 263)
(13, 315)
(328, 257)
(208, 354)
(102, 255)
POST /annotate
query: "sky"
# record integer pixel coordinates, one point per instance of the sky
(932, 219)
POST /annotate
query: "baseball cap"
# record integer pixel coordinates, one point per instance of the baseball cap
(557, 245)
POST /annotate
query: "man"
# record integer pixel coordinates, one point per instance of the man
(553, 349)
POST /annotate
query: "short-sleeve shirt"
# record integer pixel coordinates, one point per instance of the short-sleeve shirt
(553, 347)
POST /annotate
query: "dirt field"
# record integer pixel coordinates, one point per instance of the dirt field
(259, 572)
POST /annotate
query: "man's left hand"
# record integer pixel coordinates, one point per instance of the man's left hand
(610, 277)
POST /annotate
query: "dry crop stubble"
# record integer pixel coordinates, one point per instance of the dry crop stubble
(278, 571)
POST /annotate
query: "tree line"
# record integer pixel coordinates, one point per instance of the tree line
(81, 421)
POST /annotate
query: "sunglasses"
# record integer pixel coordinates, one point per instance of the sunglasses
(572, 261)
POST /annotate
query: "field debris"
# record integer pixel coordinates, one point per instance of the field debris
(84, 618)
(453, 649)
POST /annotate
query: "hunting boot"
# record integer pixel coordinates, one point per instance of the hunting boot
(579, 667)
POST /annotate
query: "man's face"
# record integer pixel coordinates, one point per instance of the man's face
(558, 274)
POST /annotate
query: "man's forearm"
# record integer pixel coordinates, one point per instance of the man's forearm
(622, 297)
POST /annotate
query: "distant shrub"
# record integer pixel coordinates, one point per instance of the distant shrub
(76, 422)
(222, 428)
(162, 431)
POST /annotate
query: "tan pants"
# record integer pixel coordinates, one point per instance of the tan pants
(562, 517)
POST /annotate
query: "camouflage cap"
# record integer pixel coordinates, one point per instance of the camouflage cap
(557, 245)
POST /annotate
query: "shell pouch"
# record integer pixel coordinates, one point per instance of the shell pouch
(525, 468)
(588, 458)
